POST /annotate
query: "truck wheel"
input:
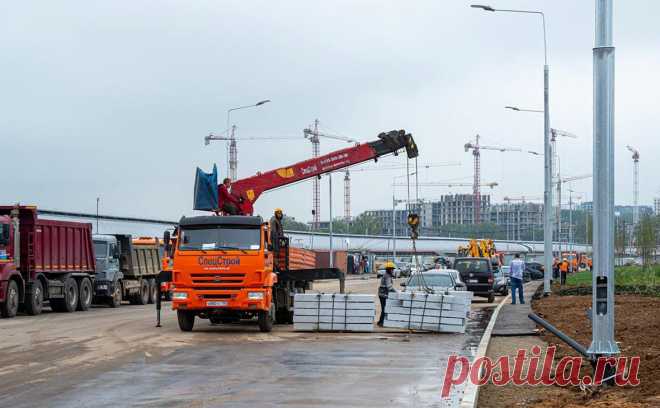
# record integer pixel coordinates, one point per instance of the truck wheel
(153, 291)
(10, 307)
(34, 302)
(265, 321)
(186, 320)
(143, 297)
(85, 294)
(115, 300)
(70, 300)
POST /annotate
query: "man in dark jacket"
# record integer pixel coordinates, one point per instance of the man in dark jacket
(276, 228)
(229, 204)
(386, 286)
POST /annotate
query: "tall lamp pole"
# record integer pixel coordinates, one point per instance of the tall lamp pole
(602, 330)
(232, 162)
(547, 193)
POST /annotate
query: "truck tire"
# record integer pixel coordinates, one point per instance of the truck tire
(116, 298)
(265, 321)
(153, 291)
(186, 320)
(143, 297)
(70, 300)
(34, 301)
(10, 307)
(85, 294)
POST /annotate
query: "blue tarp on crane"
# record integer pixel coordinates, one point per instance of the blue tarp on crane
(206, 190)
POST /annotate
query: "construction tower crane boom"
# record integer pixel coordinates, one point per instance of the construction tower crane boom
(249, 189)
(476, 185)
(635, 158)
(313, 134)
(446, 184)
(397, 167)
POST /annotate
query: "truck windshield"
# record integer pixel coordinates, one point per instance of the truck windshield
(471, 265)
(100, 249)
(220, 237)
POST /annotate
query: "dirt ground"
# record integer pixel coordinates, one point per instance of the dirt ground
(637, 331)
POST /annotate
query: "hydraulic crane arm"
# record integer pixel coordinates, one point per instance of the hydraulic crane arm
(249, 189)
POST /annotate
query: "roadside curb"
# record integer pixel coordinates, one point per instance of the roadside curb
(471, 392)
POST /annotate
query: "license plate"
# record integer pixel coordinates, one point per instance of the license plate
(472, 281)
(216, 303)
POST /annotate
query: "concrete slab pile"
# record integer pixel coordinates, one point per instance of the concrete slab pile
(446, 312)
(334, 312)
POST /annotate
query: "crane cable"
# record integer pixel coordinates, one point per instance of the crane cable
(413, 224)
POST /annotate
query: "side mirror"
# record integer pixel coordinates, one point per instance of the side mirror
(115, 251)
(167, 242)
(266, 239)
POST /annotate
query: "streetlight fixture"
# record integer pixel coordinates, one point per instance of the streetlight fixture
(232, 161)
(517, 109)
(547, 193)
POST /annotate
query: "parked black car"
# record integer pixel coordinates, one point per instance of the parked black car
(535, 270)
(478, 276)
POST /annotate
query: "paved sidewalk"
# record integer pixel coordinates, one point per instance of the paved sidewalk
(512, 319)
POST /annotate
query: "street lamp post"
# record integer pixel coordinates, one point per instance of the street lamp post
(602, 318)
(231, 151)
(547, 193)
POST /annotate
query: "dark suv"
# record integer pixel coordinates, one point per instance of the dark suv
(477, 273)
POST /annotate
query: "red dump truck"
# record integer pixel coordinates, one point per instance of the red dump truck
(44, 260)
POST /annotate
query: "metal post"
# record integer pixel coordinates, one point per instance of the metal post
(332, 261)
(547, 194)
(603, 212)
(393, 227)
(98, 200)
(570, 230)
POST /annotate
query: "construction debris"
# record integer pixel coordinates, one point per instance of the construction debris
(445, 312)
(334, 312)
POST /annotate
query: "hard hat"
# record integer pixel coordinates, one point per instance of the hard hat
(565, 259)
(390, 265)
(278, 210)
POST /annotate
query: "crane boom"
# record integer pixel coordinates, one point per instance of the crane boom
(249, 189)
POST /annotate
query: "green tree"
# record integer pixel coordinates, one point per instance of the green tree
(290, 224)
(646, 235)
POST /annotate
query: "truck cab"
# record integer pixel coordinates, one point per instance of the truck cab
(222, 271)
(107, 288)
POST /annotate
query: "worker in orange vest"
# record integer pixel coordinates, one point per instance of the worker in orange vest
(563, 270)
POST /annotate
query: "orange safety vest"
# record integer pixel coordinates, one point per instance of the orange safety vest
(563, 266)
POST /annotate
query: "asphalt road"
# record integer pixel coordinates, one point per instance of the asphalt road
(117, 357)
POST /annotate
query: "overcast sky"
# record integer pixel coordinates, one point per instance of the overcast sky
(114, 98)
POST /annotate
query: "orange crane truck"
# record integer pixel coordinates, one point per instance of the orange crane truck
(227, 267)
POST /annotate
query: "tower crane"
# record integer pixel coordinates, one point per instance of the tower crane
(476, 186)
(313, 134)
(559, 183)
(635, 157)
(554, 133)
(233, 149)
